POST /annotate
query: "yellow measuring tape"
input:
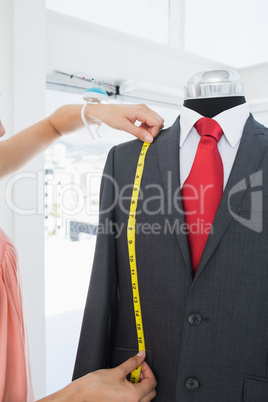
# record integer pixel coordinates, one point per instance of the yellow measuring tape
(131, 230)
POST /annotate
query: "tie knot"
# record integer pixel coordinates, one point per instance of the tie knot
(207, 126)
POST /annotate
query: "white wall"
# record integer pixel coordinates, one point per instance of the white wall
(74, 45)
(256, 81)
(22, 84)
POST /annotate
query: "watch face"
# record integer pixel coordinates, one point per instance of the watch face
(2, 129)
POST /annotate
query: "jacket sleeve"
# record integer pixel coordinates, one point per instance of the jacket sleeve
(95, 338)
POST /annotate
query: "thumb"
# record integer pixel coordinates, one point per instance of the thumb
(132, 363)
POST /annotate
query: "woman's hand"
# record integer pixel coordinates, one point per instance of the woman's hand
(123, 117)
(113, 386)
(110, 385)
(19, 149)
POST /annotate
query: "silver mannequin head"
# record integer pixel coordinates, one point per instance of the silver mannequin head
(214, 83)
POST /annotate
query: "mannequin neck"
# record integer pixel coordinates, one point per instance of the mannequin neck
(210, 107)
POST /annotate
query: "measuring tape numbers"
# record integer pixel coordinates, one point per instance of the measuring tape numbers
(131, 231)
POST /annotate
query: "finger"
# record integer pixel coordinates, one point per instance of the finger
(152, 111)
(146, 387)
(147, 382)
(148, 117)
(140, 132)
(132, 363)
(149, 397)
(146, 371)
(141, 376)
(154, 131)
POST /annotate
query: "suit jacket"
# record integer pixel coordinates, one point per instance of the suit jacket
(206, 336)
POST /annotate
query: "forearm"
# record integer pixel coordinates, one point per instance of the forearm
(22, 147)
(71, 393)
(68, 118)
(59, 396)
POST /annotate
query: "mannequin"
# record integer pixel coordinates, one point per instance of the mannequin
(206, 336)
(210, 93)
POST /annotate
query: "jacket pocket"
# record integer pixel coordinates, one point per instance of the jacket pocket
(120, 355)
(255, 389)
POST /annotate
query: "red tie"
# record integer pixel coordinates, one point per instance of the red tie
(202, 190)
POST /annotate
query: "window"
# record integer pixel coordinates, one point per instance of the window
(147, 19)
(73, 169)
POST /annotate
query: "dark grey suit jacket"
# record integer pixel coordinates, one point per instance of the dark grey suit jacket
(207, 336)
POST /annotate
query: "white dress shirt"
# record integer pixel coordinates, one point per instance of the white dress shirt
(232, 122)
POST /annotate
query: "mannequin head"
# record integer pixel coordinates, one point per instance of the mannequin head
(214, 84)
(211, 92)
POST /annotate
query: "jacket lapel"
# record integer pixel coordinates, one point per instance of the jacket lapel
(250, 152)
(168, 156)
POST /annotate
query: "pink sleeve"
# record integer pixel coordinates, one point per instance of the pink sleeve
(15, 378)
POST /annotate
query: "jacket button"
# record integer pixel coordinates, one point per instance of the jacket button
(194, 318)
(192, 384)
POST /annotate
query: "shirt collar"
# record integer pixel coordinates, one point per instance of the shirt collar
(232, 122)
